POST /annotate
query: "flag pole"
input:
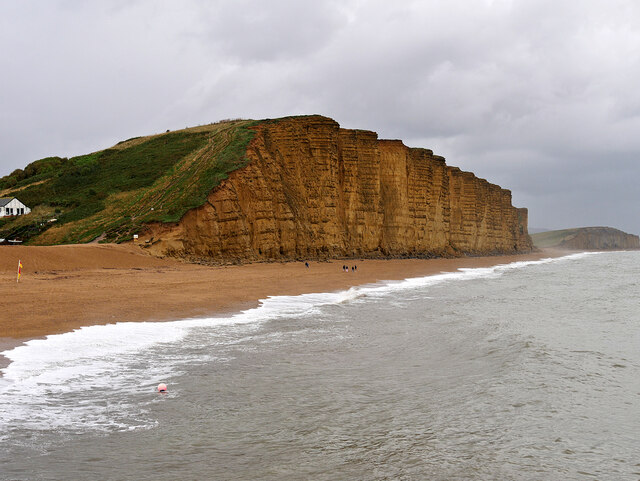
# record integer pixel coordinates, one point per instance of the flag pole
(19, 266)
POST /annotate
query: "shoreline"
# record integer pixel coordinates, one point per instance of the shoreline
(63, 288)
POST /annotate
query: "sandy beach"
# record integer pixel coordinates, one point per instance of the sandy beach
(66, 287)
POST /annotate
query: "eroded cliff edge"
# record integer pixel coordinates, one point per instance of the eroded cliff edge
(314, 190)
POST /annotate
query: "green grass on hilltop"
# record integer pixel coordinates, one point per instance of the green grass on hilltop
(552, 238)
(115, 191)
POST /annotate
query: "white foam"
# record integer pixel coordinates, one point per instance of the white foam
(461, 274)
(38, 359)
(55, 381)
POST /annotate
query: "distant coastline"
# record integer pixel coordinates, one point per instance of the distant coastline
(586, 238)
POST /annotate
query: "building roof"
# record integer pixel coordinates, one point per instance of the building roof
(5, 200)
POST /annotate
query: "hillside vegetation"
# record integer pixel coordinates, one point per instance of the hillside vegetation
(313, 190)
(110, 194)
(551, 238)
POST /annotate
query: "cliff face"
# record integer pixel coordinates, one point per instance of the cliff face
(314, 190)
(600, 238)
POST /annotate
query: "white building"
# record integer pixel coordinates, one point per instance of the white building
(12, 206)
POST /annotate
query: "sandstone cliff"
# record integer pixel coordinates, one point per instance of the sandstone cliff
(314, 190)
(587, 238)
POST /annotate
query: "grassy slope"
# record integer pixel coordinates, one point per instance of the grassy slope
(112, 193)
(552, 238)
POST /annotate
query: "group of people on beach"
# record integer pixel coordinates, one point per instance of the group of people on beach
(345, 268)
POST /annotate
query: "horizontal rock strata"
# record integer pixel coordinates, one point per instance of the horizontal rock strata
(314, 190)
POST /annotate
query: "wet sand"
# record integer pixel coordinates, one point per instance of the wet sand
(66, 287)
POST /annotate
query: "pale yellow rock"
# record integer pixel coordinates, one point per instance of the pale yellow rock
(314, 190)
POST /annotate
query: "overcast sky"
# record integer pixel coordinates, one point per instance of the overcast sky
(541, 97)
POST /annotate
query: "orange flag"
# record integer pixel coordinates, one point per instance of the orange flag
(19, 271)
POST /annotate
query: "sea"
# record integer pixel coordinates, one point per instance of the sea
(522, 371)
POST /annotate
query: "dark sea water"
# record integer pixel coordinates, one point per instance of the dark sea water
(528, 371)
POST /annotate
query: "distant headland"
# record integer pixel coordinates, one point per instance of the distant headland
(586, 238)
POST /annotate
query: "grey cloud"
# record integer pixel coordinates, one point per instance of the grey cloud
(537, 96)
(247, 31)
